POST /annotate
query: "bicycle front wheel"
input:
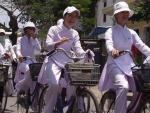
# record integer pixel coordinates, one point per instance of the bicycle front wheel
(22, 103)
(145, 107)
(3, 100)
(42, 100)
(107, 102)
(86, 102)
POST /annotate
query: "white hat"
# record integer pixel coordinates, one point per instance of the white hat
(71, 9)
(29, 24)
(2, 31)
(122, 6)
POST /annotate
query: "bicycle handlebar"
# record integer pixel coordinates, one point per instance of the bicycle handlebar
(67, 53)
(126, 52)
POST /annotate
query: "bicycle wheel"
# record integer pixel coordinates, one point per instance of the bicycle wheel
(145, 107)
(42, 100)
(3, 99)
(107, 102)
(86, 102)
(22, 102)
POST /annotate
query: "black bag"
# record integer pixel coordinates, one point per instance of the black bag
(35, 70)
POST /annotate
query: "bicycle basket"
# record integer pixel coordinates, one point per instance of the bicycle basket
(83, 74)
(35, 70)
(142, 78)
(3, 72)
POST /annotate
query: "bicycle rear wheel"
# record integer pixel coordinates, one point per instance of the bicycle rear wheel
(107, 102)
(4, 98)
(85, 102)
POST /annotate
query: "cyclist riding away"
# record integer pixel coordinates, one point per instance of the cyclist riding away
(117, 73)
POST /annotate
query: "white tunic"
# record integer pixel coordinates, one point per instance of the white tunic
(2, 51)
(121, 39)
(55, 33)
(26, 47)
(6, 47)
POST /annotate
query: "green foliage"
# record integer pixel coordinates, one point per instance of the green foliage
(45, 13)
(142, 11)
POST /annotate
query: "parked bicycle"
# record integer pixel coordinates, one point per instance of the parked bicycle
(141, 102)
(81, 76)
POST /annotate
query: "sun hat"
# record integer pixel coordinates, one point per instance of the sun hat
(2, 31)
(122, 6)
(71, 9)
(29, 24)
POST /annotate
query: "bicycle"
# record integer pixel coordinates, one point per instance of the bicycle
(25, 100)
(81, 76)
(141, 102)
(4, 67)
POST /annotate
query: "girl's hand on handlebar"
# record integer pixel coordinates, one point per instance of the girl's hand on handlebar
(115, 53)
(20, 58)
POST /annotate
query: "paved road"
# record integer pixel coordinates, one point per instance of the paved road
(12, 108)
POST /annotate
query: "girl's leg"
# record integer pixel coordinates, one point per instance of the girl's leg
(51, 98)
(121, 86)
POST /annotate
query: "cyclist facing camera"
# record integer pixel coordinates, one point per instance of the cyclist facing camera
(59, 36)
(117, 72)
(26, 47)
(8, 55)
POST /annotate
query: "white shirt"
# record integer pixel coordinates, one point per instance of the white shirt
(55, 33)
(2, 50)
(8, 48)
(27, 46)
(122, 38)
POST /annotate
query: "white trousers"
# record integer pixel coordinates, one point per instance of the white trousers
(26, 82)
(9, 84)
(121, 83)
(51, 96)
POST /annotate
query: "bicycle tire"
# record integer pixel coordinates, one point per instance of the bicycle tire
(42, 100)
(22, 103)
(4, 100)
(107, 102)
(145, 106)
(88, 104)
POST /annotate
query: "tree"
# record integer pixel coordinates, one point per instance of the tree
(45, 13)
(8, 6)
(142, 11)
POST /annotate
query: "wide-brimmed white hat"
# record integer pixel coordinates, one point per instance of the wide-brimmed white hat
(122, 6)
(2, 31)
(71, 9)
